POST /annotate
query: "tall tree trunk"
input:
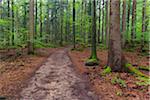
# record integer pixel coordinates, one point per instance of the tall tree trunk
(94, 54)
(133, 30)
(62, 21)
(31, 28)
(115, 50)
(99, 22)
(74, 14)
(48, 22)
(128, 20)
(84, 20)
(41, 24)
(13, 24)
(107, 21)
(143, 24)
(8, 7)
(103, 16)
(93, 60)
(36, 17)
(67, 22)
(89, 14)
(123, 23)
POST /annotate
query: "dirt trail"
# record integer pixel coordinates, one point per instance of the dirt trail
(57, 80)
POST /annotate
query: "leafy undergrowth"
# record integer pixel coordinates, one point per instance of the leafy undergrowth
(14, 72)
(111, 85)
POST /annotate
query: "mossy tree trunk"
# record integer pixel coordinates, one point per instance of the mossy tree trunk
(94, 54)
(93, 60)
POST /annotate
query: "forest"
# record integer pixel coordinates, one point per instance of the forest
(74, 49)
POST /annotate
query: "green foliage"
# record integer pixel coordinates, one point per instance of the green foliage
(143, 81)
(106, 71)
(4, 22)
(119, 81)
(39, 44)
(102, 47)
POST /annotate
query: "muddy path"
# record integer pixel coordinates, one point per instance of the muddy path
(57, 80)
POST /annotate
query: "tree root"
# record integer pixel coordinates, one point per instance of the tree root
(146, 68)
(131, 69)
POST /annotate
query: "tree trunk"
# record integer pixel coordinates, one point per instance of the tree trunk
(89, 14)
(94, 54)
(48, 27)
(128, 20)
(133, 30)
(36, 17)
(74, 39)
(115, 50)
(123, 23)
(103, 16)
(31, 28)
(107, 21)
(62, 21)
(8, 7)
(143, 24)
(41, 24)
(13, 24)
(99, 19)
(93, 60)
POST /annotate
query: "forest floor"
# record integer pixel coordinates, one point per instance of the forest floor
(56, 74)
(127, 87)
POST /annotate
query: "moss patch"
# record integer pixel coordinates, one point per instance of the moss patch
(135, 71)
(106, 71)
(92, 62)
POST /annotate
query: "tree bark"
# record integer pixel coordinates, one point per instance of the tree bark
(90, 20)
(31, 28)
(93, 60)
(103, 16)
(143, 24)
(62, 21)
(107, 21)
(41, 24)
(8, 7)
(115, 50)
(36, 17)
(123, 23)
(13, 24)
(74, 39)
(99, 19)
(128, 20)
(94, 54)
(133, 30)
